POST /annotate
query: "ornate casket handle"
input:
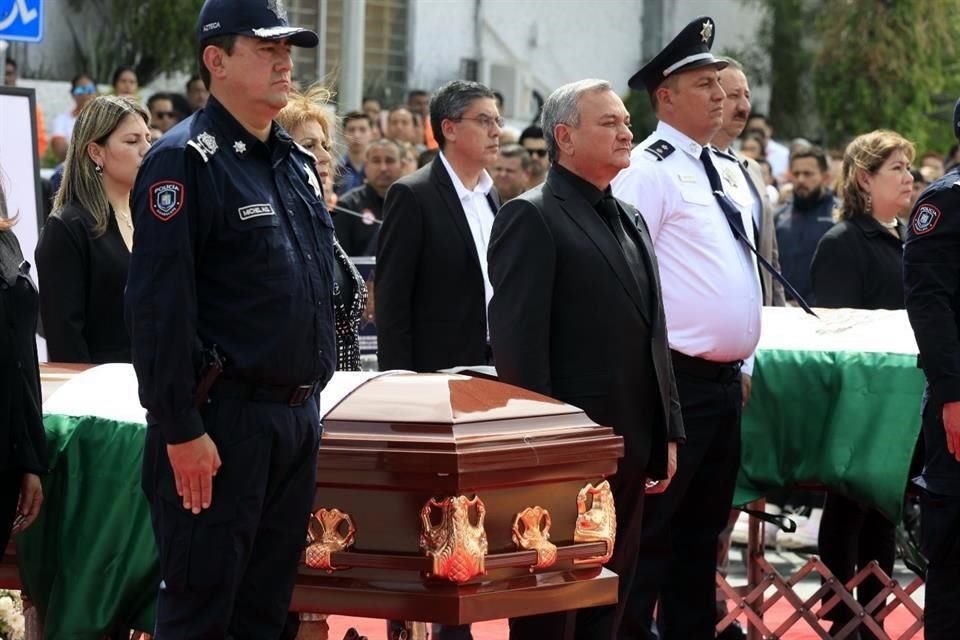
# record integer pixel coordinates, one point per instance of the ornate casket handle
(532, 536)
(598, 522)
(330, 540)
(456, 545)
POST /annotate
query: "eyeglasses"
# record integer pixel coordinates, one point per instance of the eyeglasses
(84, 90)
(166, 114)
(486, 121)
(540, 153)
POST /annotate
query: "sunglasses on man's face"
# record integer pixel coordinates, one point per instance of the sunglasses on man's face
(84, 90)
(540, 153)
(165, 114)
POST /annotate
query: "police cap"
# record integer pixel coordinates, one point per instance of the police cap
(265, 19)
(689, 50)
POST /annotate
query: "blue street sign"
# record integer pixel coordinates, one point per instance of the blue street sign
(21, 20)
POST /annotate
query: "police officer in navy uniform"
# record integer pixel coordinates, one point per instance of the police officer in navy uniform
(931, 268)
(231, 273)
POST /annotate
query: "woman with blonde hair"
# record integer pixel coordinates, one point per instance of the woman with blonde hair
(309, 121)
(858, 264)
(84, 248)
(23, 457)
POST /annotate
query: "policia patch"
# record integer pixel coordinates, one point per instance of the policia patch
(166, 199)
(926, 219)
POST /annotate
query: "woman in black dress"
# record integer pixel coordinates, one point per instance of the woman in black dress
(859, 265)
(309, 122)
(22, 440)
(84, 248)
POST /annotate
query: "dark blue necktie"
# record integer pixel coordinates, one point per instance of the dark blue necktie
(739, 232)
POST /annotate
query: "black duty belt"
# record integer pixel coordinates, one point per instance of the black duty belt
(705, 369)
(292, 395)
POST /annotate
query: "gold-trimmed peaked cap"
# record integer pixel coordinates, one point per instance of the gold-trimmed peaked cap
(690, 49)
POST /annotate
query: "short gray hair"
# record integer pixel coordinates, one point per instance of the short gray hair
(451, 101)
(562, 107)
(732, 63)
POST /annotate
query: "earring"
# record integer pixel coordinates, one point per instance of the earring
(98, 169)
(869, 205)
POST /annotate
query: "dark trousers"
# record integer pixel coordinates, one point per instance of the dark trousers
(940, 543)
(678, 544)
(229, 571)
(600, 623)
(851, 536)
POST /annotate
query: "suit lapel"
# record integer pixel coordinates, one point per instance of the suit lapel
(441, 179)
(584, 216)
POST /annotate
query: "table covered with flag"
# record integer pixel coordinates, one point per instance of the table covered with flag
(835, 403)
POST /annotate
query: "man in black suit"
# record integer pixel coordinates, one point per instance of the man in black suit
(577, 315)
(431, 280)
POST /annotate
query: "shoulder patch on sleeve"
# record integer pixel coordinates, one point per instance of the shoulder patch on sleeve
(166, 199)
(661, 149)
(925, 219)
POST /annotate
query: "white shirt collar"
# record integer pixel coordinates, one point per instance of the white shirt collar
(679, 140)
(483, 186)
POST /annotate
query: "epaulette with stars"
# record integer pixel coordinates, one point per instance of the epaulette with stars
(204, 144)
(661, 149)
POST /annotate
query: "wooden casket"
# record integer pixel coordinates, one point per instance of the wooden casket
(454, 499)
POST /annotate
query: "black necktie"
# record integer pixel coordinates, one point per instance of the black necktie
(611, 214)
(736, 225)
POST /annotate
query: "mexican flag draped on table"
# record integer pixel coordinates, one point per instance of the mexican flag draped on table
(835, 403)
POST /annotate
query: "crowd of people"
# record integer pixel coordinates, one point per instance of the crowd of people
(623, 277)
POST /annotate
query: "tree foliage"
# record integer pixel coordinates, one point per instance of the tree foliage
(152, 36)
(887, 64)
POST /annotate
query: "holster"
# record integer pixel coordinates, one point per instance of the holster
(211, 369)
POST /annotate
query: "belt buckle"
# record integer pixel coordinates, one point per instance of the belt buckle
(301, 393)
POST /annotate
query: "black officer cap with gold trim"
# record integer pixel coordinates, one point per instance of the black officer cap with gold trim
(689, 50)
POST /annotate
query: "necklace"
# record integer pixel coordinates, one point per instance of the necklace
(127, 220)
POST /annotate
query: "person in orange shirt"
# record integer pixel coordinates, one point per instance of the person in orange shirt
(10, 80)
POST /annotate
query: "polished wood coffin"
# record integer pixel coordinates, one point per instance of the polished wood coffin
(422, 485)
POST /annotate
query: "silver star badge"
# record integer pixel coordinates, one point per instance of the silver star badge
(706, 31)
(240, 147)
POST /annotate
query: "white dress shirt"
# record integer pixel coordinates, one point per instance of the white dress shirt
(709, 280)
(479, 215)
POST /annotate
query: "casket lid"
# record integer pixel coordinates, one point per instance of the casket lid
(442, 398)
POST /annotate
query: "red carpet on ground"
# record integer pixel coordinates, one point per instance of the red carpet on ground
(898, 622)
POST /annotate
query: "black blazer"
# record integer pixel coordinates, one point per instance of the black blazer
(568, 318)
(430, 302)
(22, 438)
(859, 264)
(82, 279)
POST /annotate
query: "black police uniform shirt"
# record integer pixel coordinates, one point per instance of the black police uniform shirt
(931, 268)
(233, 248)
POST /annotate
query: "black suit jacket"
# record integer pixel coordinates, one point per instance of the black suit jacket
(430, 302)
(568, 318)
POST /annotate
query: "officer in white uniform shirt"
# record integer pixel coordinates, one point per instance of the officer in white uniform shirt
(712, 299)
